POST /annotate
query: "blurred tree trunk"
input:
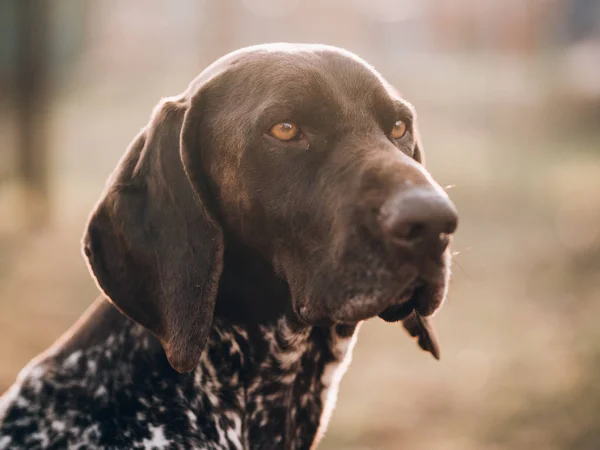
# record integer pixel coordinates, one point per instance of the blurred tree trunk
(31, 102)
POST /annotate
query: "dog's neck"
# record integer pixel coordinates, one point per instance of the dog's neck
(250, 292)
(263, 380)
(288, 378)
(262, 385)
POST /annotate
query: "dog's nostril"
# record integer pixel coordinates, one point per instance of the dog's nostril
(417, 230)
(450, 226)
(409, 231)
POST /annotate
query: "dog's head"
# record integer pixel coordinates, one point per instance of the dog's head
(304, 156)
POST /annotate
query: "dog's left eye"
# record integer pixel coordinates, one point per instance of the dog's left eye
(399, 130)
(285, 131)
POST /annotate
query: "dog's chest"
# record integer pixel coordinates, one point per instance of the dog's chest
(285, 399)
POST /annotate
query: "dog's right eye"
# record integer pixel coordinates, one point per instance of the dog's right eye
(399, 130)
(285, 131)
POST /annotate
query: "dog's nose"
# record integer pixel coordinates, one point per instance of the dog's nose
(419, 218)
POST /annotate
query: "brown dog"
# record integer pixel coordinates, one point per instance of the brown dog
(256, 220)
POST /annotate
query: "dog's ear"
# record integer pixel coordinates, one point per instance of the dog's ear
(152, 245)
(418, 154)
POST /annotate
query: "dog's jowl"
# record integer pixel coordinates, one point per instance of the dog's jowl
(249, 229)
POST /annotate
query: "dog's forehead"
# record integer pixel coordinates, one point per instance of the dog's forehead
(273, 67)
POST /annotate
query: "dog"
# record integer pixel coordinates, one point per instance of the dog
(246, 233)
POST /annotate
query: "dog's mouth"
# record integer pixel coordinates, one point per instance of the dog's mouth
(391, 308)
(418, 298)
(391, 293)
(421, 291)
(405, 304)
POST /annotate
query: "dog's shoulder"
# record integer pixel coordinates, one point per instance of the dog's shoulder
(100, 378)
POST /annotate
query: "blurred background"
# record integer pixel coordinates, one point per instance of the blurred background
(508, 94)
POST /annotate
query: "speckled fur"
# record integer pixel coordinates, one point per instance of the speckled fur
(261, 387)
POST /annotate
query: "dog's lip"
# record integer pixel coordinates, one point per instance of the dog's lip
(354, 312)
(405, 303)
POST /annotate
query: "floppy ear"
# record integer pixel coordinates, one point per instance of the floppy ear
(418, 154)
(153, 247)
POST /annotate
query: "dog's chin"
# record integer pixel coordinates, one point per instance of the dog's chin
(424, 299)
(418, 289)
(419, 296)
(391, 307)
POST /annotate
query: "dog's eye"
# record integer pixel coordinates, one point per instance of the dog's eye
(399, 130)
(285, 131)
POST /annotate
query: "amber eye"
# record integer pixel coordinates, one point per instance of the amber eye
(285, 131)
(399, 130)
